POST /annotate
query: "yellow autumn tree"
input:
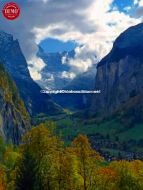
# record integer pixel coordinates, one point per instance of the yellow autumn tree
(127, 178)
(87, 159)
(41, 146)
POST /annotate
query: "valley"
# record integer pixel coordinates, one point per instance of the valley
(114, 124)
(109, 137)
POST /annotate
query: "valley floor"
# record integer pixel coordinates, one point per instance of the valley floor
(110, 137)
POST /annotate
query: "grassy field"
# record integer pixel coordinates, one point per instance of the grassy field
(69, 126)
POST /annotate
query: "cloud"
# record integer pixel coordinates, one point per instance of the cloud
(128, 8)
(43, 14)
(98, 37)
(82, 60)
(35, 69)
(140, 3)
(68, 75)
(136, 2)
(93, 23)
(80, 63)
(139, 9)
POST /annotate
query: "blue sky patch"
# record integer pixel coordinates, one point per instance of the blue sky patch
(53, 45)
(121, 4)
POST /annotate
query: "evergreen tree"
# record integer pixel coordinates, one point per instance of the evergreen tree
(26, 172)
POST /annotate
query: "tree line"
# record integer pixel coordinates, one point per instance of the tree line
(44, 162)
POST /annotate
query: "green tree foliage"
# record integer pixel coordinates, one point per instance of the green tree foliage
(45, 149)
(58, 167)
(11, 94)
(25, 174)
(43, 162)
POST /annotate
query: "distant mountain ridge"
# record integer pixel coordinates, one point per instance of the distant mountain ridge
(52, 79)
(84, 81)
(52, 74)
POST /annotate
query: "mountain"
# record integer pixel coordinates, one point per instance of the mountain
(119, 77)
(52, 78)
(84, 81)
(16, 65)
(52, 73)
(14, 119)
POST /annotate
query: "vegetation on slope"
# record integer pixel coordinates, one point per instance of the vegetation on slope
(43, 162)
(11, 94)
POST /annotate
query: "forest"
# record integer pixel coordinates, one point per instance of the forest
(44, 162)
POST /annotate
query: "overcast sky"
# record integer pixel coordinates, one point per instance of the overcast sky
(93, 23)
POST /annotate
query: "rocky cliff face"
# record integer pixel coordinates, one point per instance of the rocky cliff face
(14, 119)
(16, 66)
(120, 76)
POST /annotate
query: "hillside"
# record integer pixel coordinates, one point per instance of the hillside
(14, 118)
(119, 76)
(16, 65)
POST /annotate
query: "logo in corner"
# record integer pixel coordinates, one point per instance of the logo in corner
(11, 11)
